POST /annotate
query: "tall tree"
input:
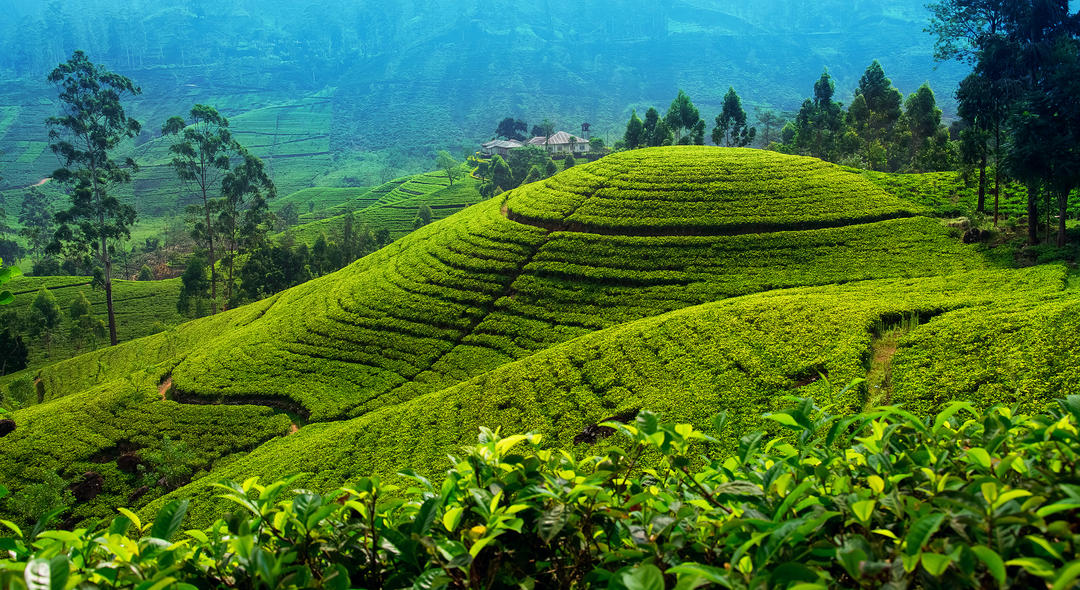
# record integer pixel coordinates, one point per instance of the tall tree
(243, 216)
(202, 154)
(93, 122)
(819, 124)
(684, 121)
(873, 114)
(769, 120)
(731, 127)
(634, 132)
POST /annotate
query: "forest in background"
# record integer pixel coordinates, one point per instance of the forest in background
(382, 87)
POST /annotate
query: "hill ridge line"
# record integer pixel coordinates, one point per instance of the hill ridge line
(704, 231)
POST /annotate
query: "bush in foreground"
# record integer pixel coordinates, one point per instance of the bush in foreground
(876, 500)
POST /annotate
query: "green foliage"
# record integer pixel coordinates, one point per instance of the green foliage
(84, 137)
(731, 127)
(84, 326)
(6, 274)
(451, 167)
(144, 302)
(718, 191)
(44, 316)
(964, 499)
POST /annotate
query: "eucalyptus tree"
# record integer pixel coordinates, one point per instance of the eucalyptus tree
(243, 217)
(683, 116)
(92, 124)
(731, 127)
(203, 152)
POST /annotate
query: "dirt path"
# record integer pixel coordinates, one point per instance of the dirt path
(40, 182)
(164, 387)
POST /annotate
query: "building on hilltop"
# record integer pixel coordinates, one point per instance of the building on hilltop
(560, 143)
(500, 147)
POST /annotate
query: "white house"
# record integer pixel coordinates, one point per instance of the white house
(500, 147)
(561, 143)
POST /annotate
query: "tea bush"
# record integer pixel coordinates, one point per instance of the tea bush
(740, 355)
(689, 189)
(965, 499)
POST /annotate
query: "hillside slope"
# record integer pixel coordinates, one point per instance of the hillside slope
(508, 313)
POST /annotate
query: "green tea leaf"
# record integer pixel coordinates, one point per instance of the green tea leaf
(921, 531)
(169, 519)
(993, 562)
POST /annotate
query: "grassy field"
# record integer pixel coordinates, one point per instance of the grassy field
(508, 314)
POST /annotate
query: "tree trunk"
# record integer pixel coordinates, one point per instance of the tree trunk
(210, 243)
(1063, 209)
(1033, 212)
(107, 260)
(981, 207)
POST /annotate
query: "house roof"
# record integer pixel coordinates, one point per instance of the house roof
(502, 143)
(561, 137)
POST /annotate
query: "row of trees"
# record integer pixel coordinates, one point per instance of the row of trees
(43, 319)
(683, 125)
(1018, 105)
(879, 130)
(270, 267)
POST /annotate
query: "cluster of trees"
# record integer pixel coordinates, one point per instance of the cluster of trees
(879, 130)
(511, 128)
(1018, 105)
(520, 166)
(230, 220)
(43, 319)
(273, 266)
(683, 125)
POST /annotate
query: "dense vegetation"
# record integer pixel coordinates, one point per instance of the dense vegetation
(304, 319)
(386, 364)
(881, 499)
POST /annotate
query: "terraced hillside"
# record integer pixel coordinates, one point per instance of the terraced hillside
(141, 308)
(391, 206)
(685, 280)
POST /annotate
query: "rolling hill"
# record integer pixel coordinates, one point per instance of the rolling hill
(683, 280)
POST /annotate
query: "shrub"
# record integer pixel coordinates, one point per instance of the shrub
(884, 499)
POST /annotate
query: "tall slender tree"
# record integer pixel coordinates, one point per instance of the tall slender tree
(202, 152)
(634, 132)
(731, 127)
(92, 124)
(873, 114)
(243, 215)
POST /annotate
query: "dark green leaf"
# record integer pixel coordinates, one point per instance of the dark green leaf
(643, 577)
(169, 519)
(921, 531)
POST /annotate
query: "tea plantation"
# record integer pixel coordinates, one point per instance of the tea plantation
(680, 280)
